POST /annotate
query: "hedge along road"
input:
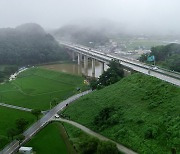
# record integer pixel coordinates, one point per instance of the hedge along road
(14, 145)
(88, 131)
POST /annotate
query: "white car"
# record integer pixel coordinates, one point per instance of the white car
(155, 68)
(56, 116)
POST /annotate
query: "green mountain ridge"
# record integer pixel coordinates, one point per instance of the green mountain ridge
(29, 44)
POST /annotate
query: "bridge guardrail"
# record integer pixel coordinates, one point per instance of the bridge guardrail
(142, 65)
(147, 66)
(158, 71)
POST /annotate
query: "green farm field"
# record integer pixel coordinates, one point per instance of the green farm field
(50, 140)
(132, 43)
(143, 43)
(36, 87)
(8, 118)
(139, 111)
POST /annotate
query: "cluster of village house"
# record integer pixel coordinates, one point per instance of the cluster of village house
(13, 76)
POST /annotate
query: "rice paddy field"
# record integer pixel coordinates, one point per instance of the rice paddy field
(52, 139)
(8, 118)
(36, 87)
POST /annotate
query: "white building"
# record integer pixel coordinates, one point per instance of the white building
(13, 77)
(26, 150)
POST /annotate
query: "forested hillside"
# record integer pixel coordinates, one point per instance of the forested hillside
(28, 44)
(167, 56)
(139, 111)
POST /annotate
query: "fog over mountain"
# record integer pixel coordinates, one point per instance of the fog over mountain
(135, 16)
(28, 44)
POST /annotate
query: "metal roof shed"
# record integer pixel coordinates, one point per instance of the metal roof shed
(26, 150)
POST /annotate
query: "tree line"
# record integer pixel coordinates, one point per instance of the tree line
(167, 56)
(112, 75)
(6, 71)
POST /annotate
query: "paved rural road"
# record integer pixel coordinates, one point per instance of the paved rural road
(88, 131)
(15, 107)
(13, 146)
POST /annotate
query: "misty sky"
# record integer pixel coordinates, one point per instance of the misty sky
(162, 16)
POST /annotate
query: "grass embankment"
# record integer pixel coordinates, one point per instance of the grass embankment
(84, 143)
(58, 138)
(76, 136)
(139, 111)
(35, 88)
(8, 118)
(51, 140)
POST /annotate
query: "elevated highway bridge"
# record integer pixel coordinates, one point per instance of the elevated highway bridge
(88, 53)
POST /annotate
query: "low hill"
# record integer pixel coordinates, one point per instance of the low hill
(139, 111)
(167, 56)
(85, 35)
(28, 44)
(31, 28)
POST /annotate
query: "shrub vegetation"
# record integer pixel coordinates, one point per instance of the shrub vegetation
(113, 74)
(167, 56)
(139, 111)
(86, 144)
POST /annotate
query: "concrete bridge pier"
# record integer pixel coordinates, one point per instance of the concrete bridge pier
(93, 67)
(102, 67)
(85, 65)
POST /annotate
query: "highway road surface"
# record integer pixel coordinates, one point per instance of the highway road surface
(163, 74)
(13, 146)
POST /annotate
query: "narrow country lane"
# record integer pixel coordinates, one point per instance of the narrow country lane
(88, 131)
